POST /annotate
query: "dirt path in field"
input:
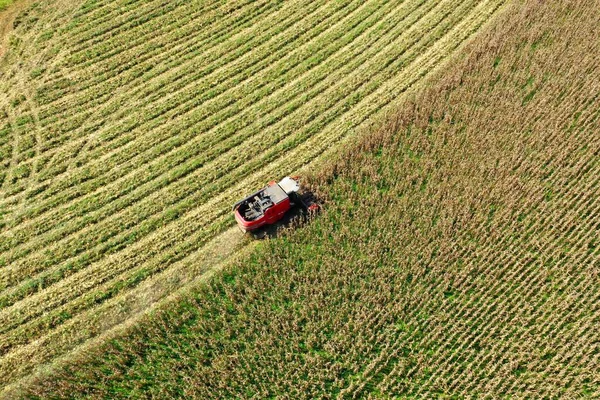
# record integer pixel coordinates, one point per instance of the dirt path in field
(7, 17)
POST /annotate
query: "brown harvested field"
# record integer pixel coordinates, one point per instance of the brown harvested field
(458, 255)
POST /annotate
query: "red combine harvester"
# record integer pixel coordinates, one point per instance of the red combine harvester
(271, 203)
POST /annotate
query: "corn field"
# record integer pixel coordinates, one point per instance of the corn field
(457, 255)
(128, 128)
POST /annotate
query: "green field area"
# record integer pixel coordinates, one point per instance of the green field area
(455, 145)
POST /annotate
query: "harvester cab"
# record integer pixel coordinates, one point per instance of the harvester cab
(271, 203)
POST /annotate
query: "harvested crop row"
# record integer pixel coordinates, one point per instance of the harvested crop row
(124, 128)
(168, 105)
(129, 69)
(215, 48)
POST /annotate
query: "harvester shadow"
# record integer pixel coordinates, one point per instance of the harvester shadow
(306, 208)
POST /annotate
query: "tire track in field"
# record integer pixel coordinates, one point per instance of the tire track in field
(15, 74)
